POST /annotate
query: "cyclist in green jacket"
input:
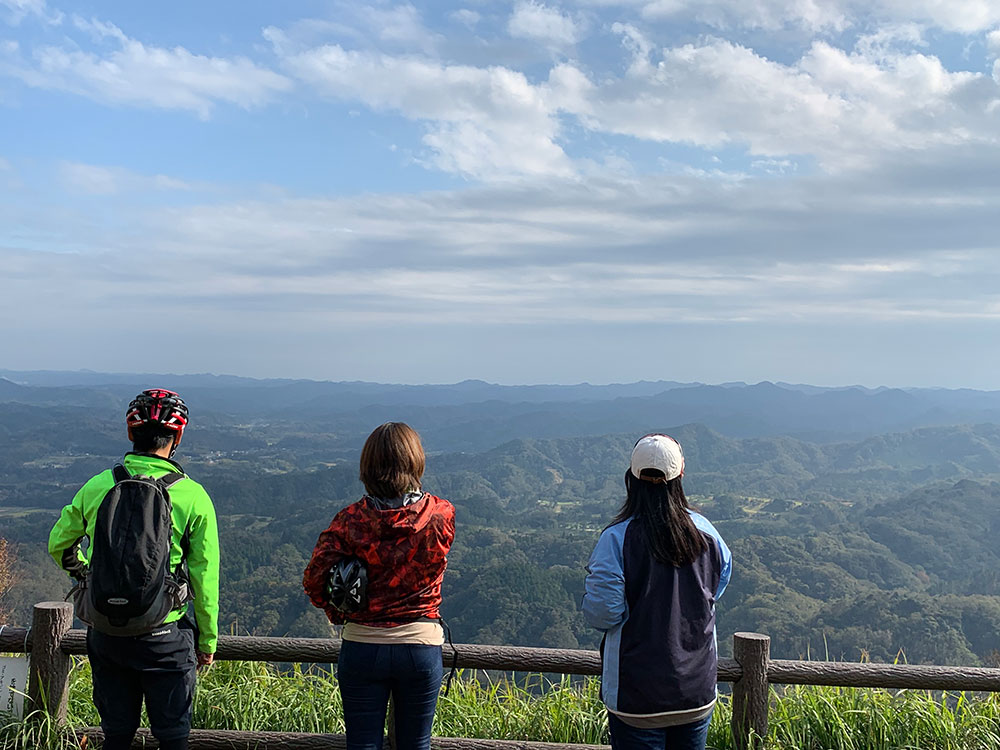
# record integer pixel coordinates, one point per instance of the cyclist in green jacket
(159, 665)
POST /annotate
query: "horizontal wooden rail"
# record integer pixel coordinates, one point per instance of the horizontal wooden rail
(578, 662)
(752, 672)
(897, 676)
(327, 651)
(217, 739)
(15, 640)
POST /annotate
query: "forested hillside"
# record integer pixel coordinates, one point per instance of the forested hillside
(854, 549)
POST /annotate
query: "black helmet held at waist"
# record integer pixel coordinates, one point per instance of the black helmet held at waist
(347, 585)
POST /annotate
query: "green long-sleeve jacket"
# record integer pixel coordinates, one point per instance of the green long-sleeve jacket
(192, 509)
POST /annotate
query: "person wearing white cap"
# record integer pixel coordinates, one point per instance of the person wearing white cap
(652, 583)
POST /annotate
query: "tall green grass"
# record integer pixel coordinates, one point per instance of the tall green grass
(564, 711)
(257, 696)
(833, 718)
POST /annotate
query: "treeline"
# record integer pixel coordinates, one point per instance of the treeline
(853, 550)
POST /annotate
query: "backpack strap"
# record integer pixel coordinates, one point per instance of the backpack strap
(185, 551)
(167, 480)
(120, 474)
(186, 540)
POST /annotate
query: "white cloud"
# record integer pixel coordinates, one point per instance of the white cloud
(482, 122)
(886, 41)
(466, 17)
(993, 41)
(100, 30)
(24, 6)
(854, 175)
(401, 23)
(540, 23)
(90, 179)
(842, 108)
(633, 40)
(775, 166)
(136, 74)
(903, 250)
(18, 10)
(693, 94)
(815, 15)
(886, 243)
(964, 16)
(378, 25)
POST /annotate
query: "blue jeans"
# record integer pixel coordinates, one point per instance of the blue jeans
(368, 673)
(681, 737)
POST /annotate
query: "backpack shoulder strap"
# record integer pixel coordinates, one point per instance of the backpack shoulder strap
(120, 473)
(167, 480)
(186, 539)
(185, 551)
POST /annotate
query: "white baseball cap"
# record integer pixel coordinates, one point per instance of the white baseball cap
(658, 452)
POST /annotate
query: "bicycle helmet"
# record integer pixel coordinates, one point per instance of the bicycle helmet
(347, 586)
(158, 406)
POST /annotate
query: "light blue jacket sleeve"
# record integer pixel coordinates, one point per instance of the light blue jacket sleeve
(705, 525)
(727, 567)
(604, 604)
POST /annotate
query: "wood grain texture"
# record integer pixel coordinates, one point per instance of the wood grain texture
(48, 680)
(524, 659)
(750, 692)
(15, 640)
(896, 676)
(327, 651)
(204, 739)
(207, 739)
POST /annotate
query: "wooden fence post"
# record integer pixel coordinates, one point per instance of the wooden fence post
(48, 683)
(750, 692)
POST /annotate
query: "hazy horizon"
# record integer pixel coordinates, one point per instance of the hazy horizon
(6, 371)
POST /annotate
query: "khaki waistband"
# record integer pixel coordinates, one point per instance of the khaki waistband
(421, 632)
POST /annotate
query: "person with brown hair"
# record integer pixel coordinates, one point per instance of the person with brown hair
(392, 547)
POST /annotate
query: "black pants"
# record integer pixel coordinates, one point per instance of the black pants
(159, 667)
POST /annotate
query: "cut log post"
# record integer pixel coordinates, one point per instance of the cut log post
(750, 692)
(48, 682)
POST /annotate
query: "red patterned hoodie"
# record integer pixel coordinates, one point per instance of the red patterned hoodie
(405, 551)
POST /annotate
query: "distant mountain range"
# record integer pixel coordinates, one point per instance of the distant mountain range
(475, 415)
(862, 520)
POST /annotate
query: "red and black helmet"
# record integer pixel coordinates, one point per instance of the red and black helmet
(158, 406)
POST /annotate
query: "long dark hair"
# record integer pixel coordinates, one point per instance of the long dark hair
(661, 510)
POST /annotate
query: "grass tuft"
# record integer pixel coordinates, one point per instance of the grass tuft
(258, 696)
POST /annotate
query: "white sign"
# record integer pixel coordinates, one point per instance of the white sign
(13, 684)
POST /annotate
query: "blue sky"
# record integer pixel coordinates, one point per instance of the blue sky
(526, 191)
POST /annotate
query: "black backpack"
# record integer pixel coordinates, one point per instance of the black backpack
(129, 588)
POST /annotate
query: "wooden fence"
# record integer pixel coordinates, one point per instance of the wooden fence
(51, 643)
